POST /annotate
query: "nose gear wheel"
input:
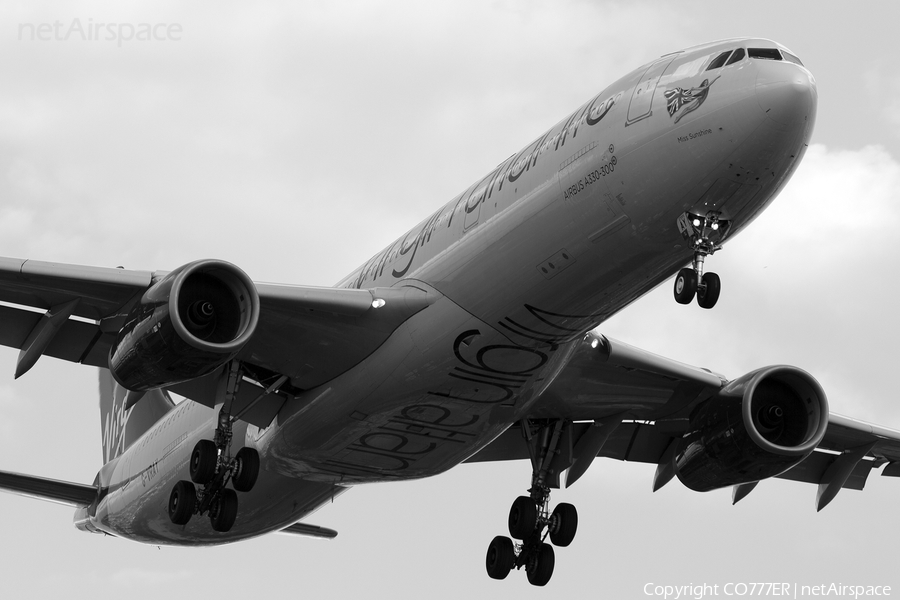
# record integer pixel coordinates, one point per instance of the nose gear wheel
(705, 234)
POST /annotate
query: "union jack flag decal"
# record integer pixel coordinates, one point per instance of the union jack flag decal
(692, 98)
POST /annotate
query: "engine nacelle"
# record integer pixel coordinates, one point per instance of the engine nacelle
(758, 426)
(193, 320)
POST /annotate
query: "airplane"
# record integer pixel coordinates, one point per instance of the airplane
(473, 337)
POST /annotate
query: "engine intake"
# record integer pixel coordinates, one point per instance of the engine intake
(758, 426)
(193, 320)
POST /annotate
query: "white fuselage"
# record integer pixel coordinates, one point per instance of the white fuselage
(552, 242)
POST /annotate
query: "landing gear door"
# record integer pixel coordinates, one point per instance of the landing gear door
(642, 98)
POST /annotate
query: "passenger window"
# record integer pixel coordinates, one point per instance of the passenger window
(718, 61)
(791, 58)
(764, 53)
(738, 55)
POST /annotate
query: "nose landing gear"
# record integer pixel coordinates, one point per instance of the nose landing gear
(705, 234)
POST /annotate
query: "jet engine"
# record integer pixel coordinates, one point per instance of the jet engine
(758, 426)
(190, 322)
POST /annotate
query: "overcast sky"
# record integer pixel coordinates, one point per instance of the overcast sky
(298, 141)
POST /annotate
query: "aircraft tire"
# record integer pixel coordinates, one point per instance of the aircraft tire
(708, 294)
(203, 462)
(685, 286)
(224, 511)
(565, 524)
(540, 568)
(522, 518)
(181, 502)
(247, 469)
(501, 557)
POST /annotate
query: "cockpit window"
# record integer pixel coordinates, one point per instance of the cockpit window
(764, 53)
(738, 55)
(791, 58)
(718, 61)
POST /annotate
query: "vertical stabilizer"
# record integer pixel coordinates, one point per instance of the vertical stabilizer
(122, 426)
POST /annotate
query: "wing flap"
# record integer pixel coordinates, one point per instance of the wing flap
(813, 469)
(75, 494)
(636, 442)
(633, 441)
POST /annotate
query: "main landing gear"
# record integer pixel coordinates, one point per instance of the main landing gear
(530, 519)
(212, 467)
(705, 234)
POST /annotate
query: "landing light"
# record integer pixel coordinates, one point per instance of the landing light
(696, 222)
(378, 303)
(595, 343)
(715, 226)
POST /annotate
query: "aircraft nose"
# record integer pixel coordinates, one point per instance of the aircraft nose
(786, 93)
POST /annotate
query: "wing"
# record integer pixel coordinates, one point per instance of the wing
(624, 403)
(308, 335)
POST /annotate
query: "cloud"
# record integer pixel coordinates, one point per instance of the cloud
(883, 88)
(137, 577)
(296, 141)
(11, 419)
(307, 126)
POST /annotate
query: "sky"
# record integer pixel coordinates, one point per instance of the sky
(298, 140)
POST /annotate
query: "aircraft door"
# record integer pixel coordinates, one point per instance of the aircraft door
(642, 98)
(475, 198)
(473, 207)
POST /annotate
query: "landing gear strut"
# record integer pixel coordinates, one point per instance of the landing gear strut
(530, 519)
(705, 234)
(211, 468)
